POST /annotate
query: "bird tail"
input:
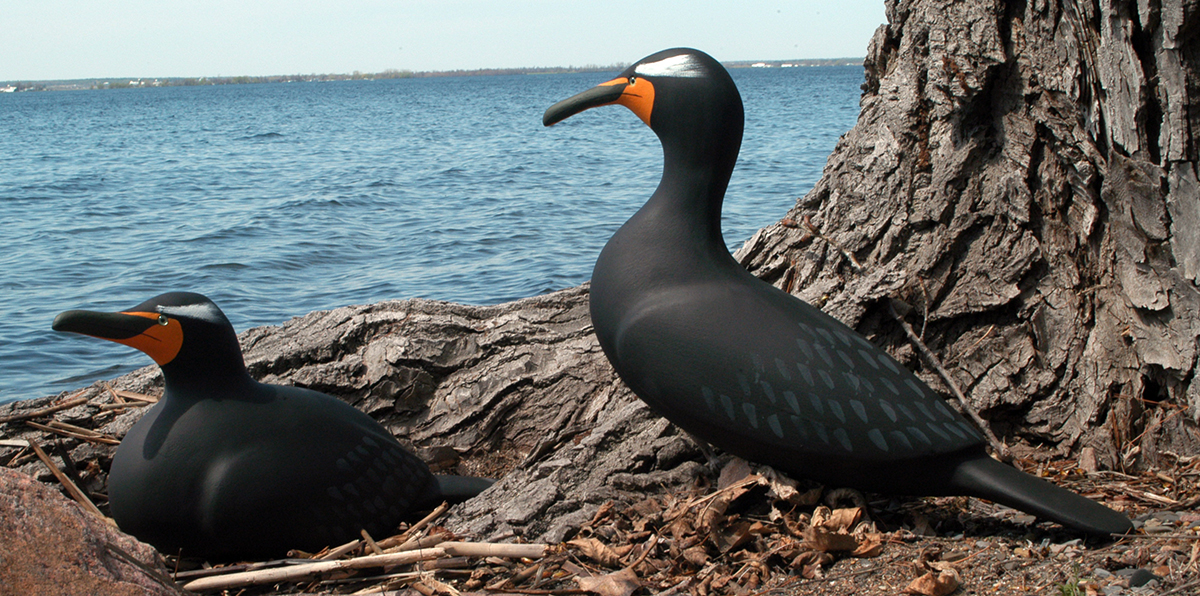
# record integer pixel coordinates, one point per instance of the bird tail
(457, 489)
(987, 478)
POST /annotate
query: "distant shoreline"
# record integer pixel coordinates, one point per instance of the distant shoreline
(138, 82)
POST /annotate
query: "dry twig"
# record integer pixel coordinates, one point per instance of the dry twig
(308, 570)
(75, 491)
(47, 410)
(997, 444)
(74, 432)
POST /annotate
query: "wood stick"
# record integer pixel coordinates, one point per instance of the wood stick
(371, 542)
(73, 434)
(389, 579)
(341, 550)
(495, 549)
(47, 410)
(227, 569)
(451, 563)
(425, 521)
(77, 429)
(309, 570)
(124, 405)
(1148, 496)
(76, 494)
(20, 443)
(423, 542)
(140, 397)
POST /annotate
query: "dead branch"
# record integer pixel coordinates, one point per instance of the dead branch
(309, 570)
(44, 411)
(998, 445)
(74, 491)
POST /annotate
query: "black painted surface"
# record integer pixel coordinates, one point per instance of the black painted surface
(751, 369)
(225, 467)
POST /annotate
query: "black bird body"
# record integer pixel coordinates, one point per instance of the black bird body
(748, 367)
(224, 466)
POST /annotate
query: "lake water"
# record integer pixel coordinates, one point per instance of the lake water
(279, 199)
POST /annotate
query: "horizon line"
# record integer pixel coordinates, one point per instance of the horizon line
(404, 73)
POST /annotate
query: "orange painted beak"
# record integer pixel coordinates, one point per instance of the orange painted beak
(158, 336)
(635, 93)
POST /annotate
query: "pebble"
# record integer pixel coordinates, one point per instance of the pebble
(1155, 526)
(1136, 577)
(1141, 577)
(1101, 573)
(1113, 590)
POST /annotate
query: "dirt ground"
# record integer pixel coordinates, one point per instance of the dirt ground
(753, 535)
(745, 531)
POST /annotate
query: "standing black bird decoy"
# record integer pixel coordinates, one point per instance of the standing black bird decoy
(748, 367)
(227, 467)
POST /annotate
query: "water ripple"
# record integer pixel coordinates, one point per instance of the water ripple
(276, 200)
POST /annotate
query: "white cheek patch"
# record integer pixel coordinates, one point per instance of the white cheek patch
(683, 65)
(204, 312)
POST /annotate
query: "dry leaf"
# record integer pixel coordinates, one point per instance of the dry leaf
(732, 537)
(822, 540)
(648, 507)
(604, 511)
(809, 563)
(843, 519)
(820, 515)
(921, 526)
(617, 583)
(597, 551)
(734, 472)
(697, 556)
(785, 489)
(869, 545)
(944, 582)
(761, 529)
(681, 527)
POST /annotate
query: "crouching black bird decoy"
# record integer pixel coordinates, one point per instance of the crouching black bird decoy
(748, 367)
(227, 467)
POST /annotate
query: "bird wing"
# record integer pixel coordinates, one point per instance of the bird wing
(769, 377)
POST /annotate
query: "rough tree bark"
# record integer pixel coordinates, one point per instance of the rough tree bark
(1022, 176)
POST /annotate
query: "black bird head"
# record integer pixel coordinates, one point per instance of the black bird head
(183, 332)
(685, 96)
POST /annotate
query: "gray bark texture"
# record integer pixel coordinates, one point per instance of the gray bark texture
(1022, 182)
(1023, 177)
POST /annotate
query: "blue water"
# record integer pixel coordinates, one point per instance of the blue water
(279, 199)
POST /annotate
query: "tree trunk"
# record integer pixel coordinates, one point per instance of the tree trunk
(1022, 177)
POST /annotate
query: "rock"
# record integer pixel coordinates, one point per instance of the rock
(1087, 460)
(51, 546)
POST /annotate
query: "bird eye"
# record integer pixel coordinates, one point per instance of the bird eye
(632, 80)
(162, 320)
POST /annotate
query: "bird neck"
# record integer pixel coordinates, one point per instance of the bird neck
(684, 213)
(221, 376)
(675, 238)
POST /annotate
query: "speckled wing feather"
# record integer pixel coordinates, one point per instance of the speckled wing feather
(789, 386)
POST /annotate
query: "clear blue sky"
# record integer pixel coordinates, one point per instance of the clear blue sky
(68, 39)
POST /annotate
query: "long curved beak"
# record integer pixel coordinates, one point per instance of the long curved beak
(637, 95)
(144, 331)
(601, 95)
